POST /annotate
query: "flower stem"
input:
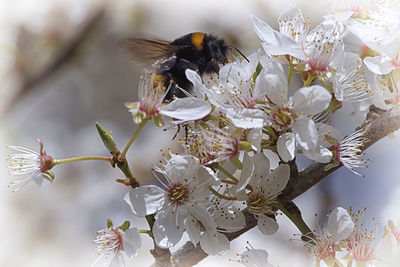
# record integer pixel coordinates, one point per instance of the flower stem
(291, 68)
(295, 216)
(213, 191)
(59, 161)
(237, 162)
(309, 80)
(224, 171)
(139, 128)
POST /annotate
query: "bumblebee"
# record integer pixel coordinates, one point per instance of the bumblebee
(197, 51)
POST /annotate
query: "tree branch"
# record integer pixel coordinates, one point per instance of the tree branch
(299, 183)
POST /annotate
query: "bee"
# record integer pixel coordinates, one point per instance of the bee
(197, 51)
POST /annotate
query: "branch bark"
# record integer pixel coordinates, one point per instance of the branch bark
(299, 183)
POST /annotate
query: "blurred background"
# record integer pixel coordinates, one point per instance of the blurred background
(62, 69)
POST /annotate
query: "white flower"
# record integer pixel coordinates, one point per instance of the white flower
(150, 106)
(29, 165)
(388, 249)
(387, 94)
(295, 113)
(185, 194)
(235, 92)
(255, 258)
(266, 186)
(353, 81)
(323, 245)
(112, 243)
(380, 33)
(360, 244)
(318, 49)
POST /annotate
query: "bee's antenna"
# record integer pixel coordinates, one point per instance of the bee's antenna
(240, 52)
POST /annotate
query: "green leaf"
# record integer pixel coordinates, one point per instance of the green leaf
(107, 139)
(124, 226)
(109, 223)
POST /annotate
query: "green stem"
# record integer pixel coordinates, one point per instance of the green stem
(148, 232)
(237, 162)
(220, 195)
(228, 174)
(309, 80)
(139, 128)
(295, 218)
(59, 161)
(291, 68)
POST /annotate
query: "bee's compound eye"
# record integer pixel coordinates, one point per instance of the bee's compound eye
(215, 51)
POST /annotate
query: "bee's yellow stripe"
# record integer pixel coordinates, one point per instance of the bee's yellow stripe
(197, 40)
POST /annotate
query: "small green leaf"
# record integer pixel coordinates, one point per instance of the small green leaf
(244, 146)
(258, 70)
(124, 226)
(109, 223)
(107, 139)
(331, 165)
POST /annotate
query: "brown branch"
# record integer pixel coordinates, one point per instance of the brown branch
(66, 53)
(379, 127)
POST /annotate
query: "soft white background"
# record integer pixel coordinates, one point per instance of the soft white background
(53, 225)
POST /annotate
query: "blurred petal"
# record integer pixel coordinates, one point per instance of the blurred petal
(267, 225)
(340, 224)
(214, 243)
(145, 200)
(131, 242)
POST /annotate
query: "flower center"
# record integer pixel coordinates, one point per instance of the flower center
(177, 193)
(282, 118)
(257, 203)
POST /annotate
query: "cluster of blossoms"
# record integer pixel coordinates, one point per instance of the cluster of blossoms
(349, 240)
(242, 129)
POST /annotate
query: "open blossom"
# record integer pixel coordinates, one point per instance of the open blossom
(112, 243)
(266, 186)
(322, 245)
(317, 49)
(254, 258)
(361, 242)
(388, 93)
(186, 193)
(353, 81)
(29, 165)
(294, 113)
(235, 93)
(150, 106)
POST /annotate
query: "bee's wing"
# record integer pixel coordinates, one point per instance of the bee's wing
(148, 51)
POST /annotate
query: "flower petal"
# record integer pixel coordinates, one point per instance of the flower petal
(117, 260)
(187, 109)
(145, 200)
(181, 167)
(274, 42)
(286, 146)
(340, 224)
(319, 154)
(306, 133)
(311, 100)
(193, 230)
(246, 118)
(230, 219)
(277, 180)
(379, 64)
(168, 227)
(267, 225)
(131, 242)
(255, 258)
(199, 89)
(276, 88)
(214, 243)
